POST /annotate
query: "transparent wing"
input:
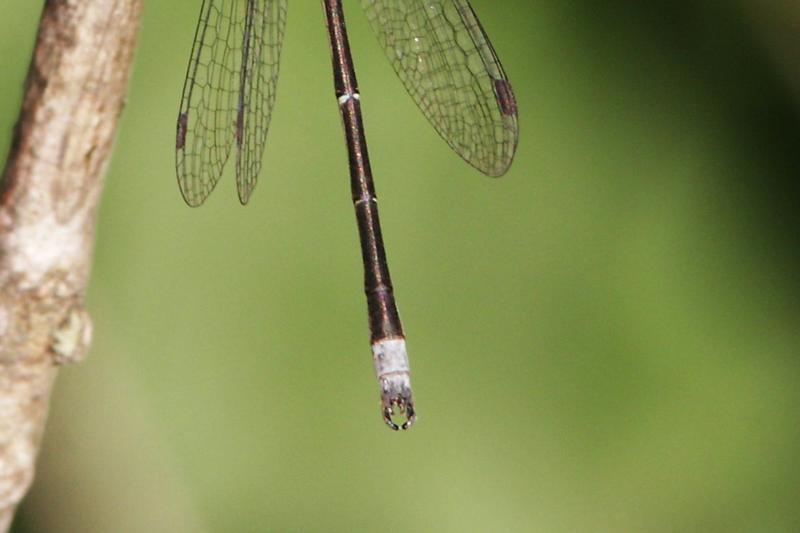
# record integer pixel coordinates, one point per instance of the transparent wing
(445, 60)
(228, 94)
(259, 77)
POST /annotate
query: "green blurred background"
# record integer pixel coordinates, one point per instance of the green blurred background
(604, 340)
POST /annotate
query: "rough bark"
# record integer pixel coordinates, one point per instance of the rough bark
(51, 185)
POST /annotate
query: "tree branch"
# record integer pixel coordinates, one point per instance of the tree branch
(51, 186)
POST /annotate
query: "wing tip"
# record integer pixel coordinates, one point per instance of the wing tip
(190, 195)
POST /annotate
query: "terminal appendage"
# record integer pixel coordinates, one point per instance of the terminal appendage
(391, 367)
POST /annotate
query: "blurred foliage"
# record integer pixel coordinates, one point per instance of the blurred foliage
(605, 340)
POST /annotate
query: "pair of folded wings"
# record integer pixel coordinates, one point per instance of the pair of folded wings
(437, 48)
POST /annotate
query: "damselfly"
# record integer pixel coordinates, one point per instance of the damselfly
(440, 52)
